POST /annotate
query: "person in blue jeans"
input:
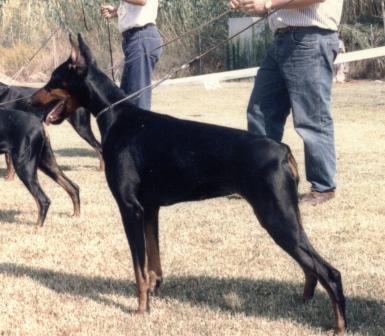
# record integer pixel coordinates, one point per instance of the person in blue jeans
(296, 74)
(140, 43)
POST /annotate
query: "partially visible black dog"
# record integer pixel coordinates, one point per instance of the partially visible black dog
(154, 160)
(23, 138)
(80, 121)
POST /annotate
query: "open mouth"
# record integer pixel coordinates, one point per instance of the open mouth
(54, 115)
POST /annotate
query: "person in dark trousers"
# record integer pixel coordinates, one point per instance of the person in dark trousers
(296, 74)
(137, 23)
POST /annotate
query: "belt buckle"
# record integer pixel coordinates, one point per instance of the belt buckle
(283, 30)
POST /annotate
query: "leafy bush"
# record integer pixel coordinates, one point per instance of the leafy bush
(362, 28)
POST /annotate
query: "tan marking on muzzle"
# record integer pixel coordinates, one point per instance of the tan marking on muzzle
(44, 97)
(71, 103)
(41, 97)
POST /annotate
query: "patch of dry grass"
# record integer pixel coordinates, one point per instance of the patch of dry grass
(223, 274)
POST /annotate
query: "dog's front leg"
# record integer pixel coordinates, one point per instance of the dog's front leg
(132, 216)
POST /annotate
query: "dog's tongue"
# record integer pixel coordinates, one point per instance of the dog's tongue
(53, 115)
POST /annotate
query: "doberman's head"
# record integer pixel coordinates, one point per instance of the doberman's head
(67, 86)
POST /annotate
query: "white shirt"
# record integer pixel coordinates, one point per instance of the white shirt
(325, 15)
(130, 16)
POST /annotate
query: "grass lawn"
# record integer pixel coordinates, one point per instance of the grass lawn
(223, 273)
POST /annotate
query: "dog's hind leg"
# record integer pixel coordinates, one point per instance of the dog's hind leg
(151, 224)
(81, 122)
(47, 163)
(275, 202)
(310, 285)
(10, 174)
(27, 172)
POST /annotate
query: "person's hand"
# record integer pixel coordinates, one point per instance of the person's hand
(253, 7)
(108, 11)
(235, 4)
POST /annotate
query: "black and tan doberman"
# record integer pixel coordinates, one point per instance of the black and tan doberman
(17, 98)
(23, 139)
(155, 160)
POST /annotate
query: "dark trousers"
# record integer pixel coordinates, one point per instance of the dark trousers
(140, 59)
(297, 74)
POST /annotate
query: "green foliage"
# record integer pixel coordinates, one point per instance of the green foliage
(30, 22)
(241, 55)
(363, 27)
(363, 11)
(176, 17)
(360, 36)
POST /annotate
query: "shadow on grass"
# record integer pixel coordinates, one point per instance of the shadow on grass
(3, 172)
(9, 216)
(272, 299)
(78, 168)
(73, 152)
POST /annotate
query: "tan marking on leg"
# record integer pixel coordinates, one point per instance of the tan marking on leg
(340, 324)
(101, 162)
(154, 266)
(143, 285)
(39, 220)
(50, 164)
(63, 182)
(340, 321)
(10, 174)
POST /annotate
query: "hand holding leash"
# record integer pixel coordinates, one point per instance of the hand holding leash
(252, 7)
(235, 4)
(108, 11)
(257, 7)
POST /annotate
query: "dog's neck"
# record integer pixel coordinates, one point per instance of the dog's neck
(102, 93)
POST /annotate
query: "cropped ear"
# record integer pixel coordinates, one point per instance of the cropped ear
(85, 51)
(78, 62)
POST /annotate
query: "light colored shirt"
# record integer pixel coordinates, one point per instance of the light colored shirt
(325, 15)
(130, 16)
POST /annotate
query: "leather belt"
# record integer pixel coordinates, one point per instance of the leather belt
(308, 29)
(135, 29)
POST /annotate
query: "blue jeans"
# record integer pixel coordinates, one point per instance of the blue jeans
(297, 74)
(140, 59)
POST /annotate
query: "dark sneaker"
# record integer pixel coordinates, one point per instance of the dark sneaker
(314, 197)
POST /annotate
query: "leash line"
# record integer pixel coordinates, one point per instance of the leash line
(34, 55)
(110, 49)
(15, 100)
(84, 16)
(187, 64)
(13, 78)
(137, 93)
(8, 86)
(189, 32)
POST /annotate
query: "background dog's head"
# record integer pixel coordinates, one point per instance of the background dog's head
(67, 85)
